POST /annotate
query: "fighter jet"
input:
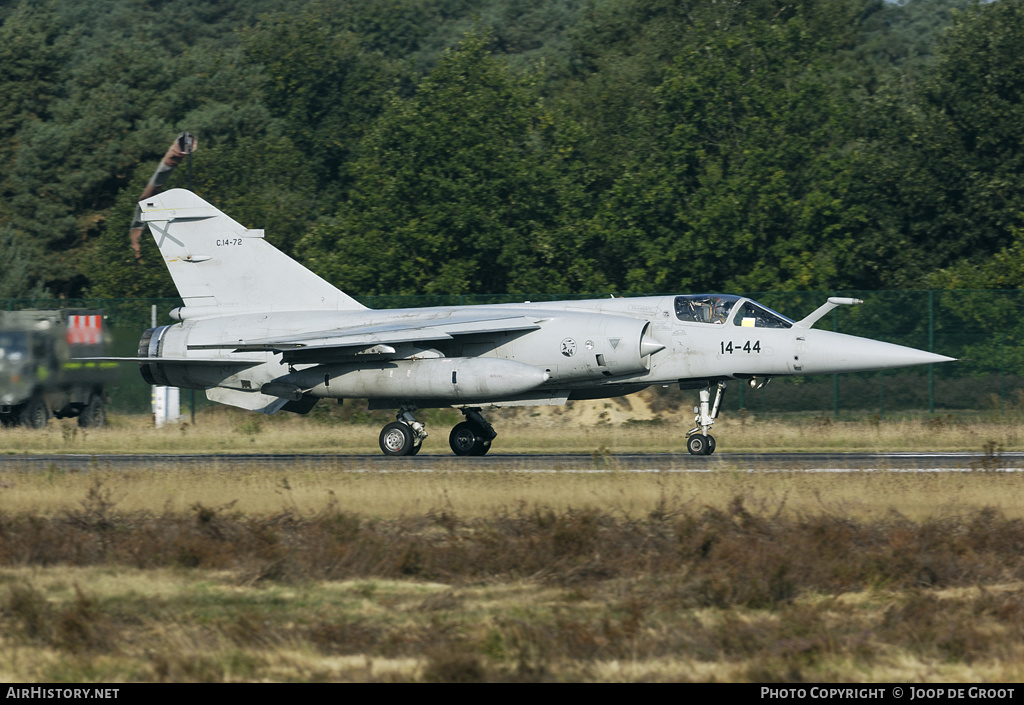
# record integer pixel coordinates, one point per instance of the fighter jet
(261, 332)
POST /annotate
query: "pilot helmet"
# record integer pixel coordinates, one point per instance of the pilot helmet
(721, 308)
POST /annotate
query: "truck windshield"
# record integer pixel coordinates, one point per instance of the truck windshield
(705, 308)
(13, 346)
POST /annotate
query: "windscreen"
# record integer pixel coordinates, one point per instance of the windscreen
(754, 315)
(13, 346)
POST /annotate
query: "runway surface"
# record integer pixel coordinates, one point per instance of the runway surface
(503, 462)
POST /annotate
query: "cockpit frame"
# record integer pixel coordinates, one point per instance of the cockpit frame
(720, 309)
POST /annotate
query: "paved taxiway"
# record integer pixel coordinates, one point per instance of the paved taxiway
(502, 462)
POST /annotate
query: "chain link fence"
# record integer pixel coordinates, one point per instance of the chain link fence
(983, 328)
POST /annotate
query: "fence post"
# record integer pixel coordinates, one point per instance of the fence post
(881, 394)
(835, 377)
(931, 348)
(1002, 373)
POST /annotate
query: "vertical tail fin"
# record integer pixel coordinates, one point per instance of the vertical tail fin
(219, 266)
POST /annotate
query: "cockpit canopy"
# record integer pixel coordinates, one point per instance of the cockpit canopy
(720, 308)
(705, 308)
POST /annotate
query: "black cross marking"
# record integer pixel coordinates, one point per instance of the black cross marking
(165, 235)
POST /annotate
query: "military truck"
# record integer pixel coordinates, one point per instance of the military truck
(40, 376)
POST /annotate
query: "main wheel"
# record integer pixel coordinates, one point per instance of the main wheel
(34, 414)
(711, 445)
(465, 439)
(94, 414)
(697, 444)
(396, 439)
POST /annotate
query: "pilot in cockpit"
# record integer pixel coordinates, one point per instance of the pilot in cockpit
(704, 308)
(720, 311)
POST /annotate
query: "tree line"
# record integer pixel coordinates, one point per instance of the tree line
(540, 146)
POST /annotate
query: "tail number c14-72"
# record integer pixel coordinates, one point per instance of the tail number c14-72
(747, 347)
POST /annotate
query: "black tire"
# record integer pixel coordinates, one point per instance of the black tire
(416, 448)
(34, 414)
(711, 445)
(396, 439)
(465, 439)
(697, 444)
(94, 415)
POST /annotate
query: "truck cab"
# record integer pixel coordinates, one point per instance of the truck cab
(40, 376)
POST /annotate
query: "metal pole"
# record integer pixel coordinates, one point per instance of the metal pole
(835, 377)
(191, 392)
(931, 348)
(153, 390)
(881, 394)
(1002, 373)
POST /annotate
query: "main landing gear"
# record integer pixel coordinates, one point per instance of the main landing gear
(472, 436)
(405, 435)
(698, 440)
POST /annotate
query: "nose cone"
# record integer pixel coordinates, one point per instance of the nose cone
(847, 353)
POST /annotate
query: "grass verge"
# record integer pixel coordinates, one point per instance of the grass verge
(738, 590)
(581, 427)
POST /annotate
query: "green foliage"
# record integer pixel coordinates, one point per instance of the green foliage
(747, 159)
(956, 150)
(455, 191)
(32, 50)
(320, 82)
(17, 254)
(451, 147)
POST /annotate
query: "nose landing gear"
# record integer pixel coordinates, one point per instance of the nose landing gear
(698, 440)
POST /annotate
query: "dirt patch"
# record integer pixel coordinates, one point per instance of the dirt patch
(639, 407)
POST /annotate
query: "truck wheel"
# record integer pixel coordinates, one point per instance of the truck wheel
(35, 414)
(94, 414)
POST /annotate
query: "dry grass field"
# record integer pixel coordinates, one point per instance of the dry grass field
(475, 493)
(643, 423)
(237, 573)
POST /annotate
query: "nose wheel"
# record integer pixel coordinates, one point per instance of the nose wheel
(699, 444)
(698, 440)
